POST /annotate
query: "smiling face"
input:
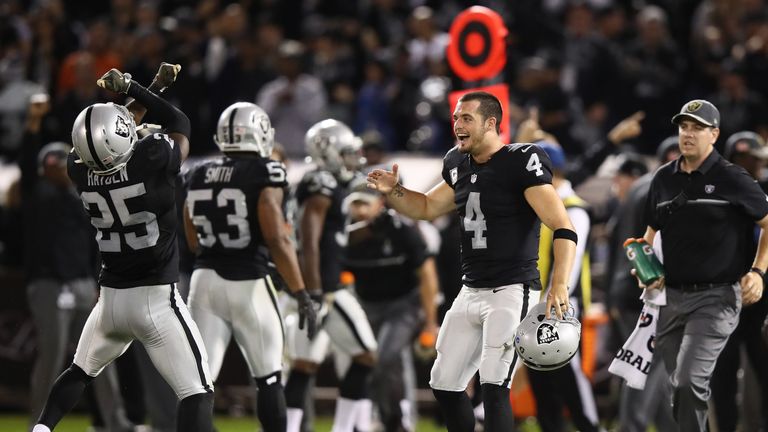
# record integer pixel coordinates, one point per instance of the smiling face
(469, 126)
(696, 140)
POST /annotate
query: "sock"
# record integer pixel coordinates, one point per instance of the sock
(293, 419)
(407, 420)
(195, 413)
(296, 389)
(457, 410)
(271, 403)
(345, 416)
(364, 412)
(355, 383)
(65, 394)
(497, 408)
(40, 428)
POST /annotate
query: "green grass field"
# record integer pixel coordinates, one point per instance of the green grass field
(78, 423)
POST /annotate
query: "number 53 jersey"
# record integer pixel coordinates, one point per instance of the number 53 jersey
(134, 213)
(222, 201)
(499, 229)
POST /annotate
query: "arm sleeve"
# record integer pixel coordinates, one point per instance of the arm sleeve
(586, 166)
(533, 168)
(170, 117)
(750, 196)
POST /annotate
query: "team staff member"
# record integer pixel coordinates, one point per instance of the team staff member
(395, 280)
(127, 187)
(705, 209)
(502, 193)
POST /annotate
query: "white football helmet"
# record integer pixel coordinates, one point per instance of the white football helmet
(547, 344)
(334, 147)
(245, 127)
(104, 136)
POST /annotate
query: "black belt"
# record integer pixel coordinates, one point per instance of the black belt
(698, 286)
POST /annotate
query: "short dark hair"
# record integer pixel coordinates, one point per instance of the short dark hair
(490, 106)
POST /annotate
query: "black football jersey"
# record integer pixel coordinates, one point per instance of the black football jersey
(499, 230)
(134, 213)
(333, 237)
(222, 199)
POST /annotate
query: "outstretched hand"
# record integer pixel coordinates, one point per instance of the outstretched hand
(382, 180)
(115, 81)
(627, 129)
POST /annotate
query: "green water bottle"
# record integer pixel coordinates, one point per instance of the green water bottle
(647, 267)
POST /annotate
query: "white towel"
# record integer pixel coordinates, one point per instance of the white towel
(633, 361)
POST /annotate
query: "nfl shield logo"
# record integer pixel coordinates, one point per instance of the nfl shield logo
(473, 178)
(454, 175)
(709, 188)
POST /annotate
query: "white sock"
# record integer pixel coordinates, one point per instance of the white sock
(406, 411)
(480, 412)
(293, 419)
(364, 414)
(345, 417)
(40, 428)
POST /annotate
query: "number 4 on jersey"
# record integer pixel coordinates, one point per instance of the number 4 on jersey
(534, 164)
(474, 220)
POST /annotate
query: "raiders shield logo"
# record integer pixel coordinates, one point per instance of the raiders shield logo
(546, 333)
(454, 175)
(709, 189)
(264, 124)
(121, 127)
(693, 106)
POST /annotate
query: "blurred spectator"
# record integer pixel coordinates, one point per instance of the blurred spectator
(741, 108)
(98, 44)
(374, 109)
(53, 39)
(83, 93)
(294, 100)
(427, 43)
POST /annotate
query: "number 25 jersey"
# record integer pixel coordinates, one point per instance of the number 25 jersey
(222, 200)
(134, 213)
(499, 229)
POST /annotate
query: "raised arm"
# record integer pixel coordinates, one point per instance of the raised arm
(416, 205)
(175, 122)
(165, 76)
(550, 209)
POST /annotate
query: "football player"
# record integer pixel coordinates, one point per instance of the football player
(336, 152)
(234, 219)
(502, 193)
(127, 188)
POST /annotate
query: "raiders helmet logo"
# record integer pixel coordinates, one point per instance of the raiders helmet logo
(546, 334)
(693, 106)
(121, 127)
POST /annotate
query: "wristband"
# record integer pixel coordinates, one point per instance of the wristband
(758, 271)
(567, 234)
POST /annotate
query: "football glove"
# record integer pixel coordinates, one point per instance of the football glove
(307, 313)
(115, 81)
(166, 75)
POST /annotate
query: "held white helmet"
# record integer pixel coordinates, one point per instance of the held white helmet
(104, 136)
(547, 344)
(333, 146)
(245, 127)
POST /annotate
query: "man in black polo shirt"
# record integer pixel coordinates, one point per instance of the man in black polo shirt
(705, 209)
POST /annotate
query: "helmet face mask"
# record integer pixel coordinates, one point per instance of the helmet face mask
(245, 127)
(104, 137)
(547, 344)
(333, 146)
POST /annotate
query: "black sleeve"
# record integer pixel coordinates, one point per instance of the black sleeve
(749, 196)
(170, 117)
(585, 166)
(531, 167)
(415, 246)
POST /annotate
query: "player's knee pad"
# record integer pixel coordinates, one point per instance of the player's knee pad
(195, 413)
(296, 388)
(355, 383)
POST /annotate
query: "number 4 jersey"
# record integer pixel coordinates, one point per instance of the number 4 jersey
(499, 229)
(134, 213)
(222, 200)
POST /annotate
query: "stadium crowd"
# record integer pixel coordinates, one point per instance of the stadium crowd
(597, 80)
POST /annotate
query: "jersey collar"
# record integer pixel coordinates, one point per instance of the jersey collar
(705, 166)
